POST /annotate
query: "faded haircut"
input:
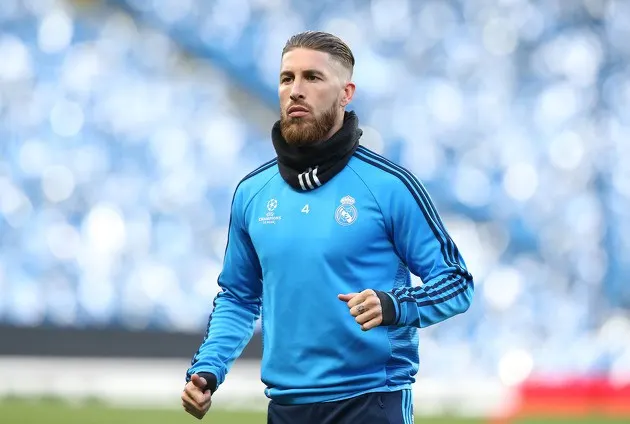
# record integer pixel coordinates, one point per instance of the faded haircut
(323, 42)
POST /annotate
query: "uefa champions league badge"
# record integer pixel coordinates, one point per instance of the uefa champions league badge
(270, 217)
(346, 214)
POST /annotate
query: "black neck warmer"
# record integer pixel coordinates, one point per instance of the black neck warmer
(308, 167)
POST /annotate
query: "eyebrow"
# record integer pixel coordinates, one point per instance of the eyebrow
(314, 72)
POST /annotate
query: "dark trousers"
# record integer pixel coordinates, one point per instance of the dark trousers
(371, 408)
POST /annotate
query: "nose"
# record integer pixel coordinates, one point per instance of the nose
(296, 92)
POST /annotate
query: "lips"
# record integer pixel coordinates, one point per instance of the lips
(297, 111)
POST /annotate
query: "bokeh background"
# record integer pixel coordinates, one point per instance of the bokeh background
(126, 125)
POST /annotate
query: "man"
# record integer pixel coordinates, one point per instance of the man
(324, 238)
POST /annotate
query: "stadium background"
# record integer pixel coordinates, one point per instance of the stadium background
(125, 126)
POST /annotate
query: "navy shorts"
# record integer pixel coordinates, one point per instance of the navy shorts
(371, 408)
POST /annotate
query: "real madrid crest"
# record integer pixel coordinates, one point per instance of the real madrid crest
(346, 214)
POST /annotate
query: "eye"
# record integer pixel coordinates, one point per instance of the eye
(311, 78)
(285, 79)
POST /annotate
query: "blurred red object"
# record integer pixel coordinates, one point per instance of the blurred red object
(570, 398)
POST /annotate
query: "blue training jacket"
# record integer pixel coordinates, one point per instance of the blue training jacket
(293, 252)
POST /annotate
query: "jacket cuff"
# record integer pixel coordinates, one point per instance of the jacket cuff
(211, 380)
(388, 307)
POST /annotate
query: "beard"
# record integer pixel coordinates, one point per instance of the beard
(308, 129)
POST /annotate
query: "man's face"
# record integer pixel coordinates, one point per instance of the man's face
(313, 92)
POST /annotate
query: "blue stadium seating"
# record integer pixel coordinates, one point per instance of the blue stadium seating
(121, 142)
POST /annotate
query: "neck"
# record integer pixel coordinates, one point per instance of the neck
(322, 159)
(337, 126)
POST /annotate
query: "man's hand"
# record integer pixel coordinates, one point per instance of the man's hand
(195, 401)
(365, 307)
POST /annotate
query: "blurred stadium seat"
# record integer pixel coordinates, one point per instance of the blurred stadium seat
(125, 126)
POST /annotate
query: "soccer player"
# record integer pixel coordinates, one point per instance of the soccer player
(321, 242)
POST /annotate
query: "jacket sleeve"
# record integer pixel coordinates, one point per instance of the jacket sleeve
(424, 245)
(236, 307)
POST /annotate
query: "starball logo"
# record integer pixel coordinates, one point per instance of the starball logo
(270, 217)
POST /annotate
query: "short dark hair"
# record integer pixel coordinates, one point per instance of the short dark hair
(323, 42)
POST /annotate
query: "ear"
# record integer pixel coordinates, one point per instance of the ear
(348, 94)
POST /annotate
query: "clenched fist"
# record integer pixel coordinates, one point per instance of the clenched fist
(195, 400)
(365, 307)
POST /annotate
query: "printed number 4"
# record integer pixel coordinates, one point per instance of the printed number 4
(305, 209)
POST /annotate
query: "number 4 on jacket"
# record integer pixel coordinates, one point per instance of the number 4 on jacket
(306, 209)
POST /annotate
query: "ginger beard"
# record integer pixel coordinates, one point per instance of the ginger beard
(309, 129)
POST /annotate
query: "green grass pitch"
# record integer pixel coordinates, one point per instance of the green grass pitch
(15, 411)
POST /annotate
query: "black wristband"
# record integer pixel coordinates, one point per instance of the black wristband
(211, 381)
(388, 308)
